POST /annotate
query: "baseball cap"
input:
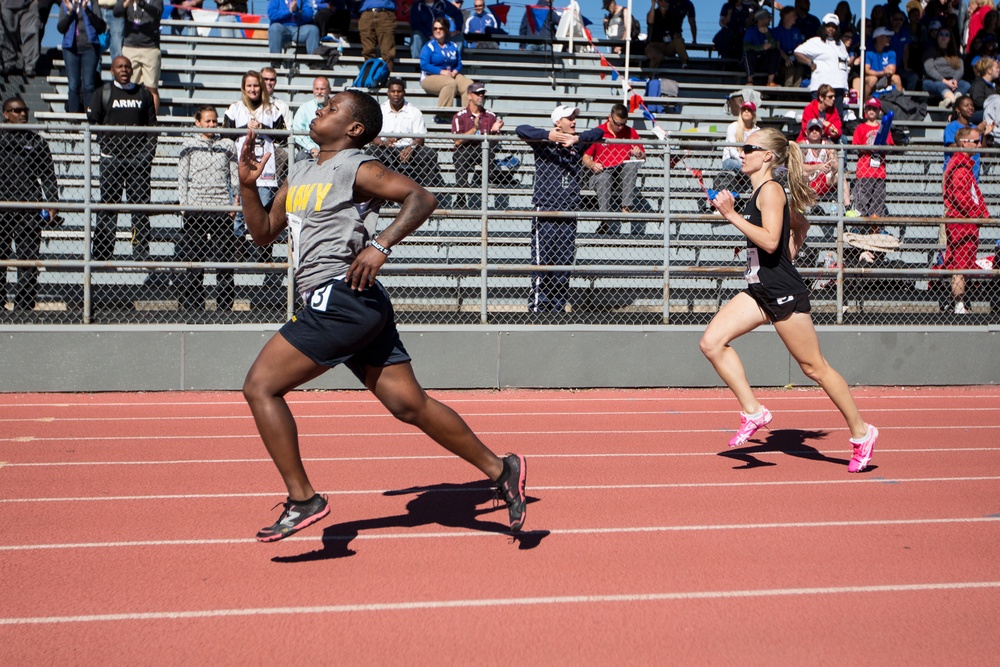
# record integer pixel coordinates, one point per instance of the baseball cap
(815, 122)
(748, 105)
(883, 32)
(563, 111)
(831, 18)
(874, 103)
(477, 88)
(934, 25)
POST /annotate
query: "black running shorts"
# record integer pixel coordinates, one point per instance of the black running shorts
(343, 326)
(780, 308)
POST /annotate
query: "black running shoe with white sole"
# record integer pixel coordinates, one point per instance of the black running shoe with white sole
(510, 486)
(297, 515)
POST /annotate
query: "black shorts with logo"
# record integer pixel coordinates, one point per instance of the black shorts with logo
(779, 308)
(343, 326)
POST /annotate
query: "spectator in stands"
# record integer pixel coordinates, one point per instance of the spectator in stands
(737, 133)
(19, 41)
(807, 23)
(377, 28)
(254, 111)
(962, 199)
(334, 20)
(614, 169)
(978, 9)
(846, 16)
(406, 155)
(141, 44)
(228, 9)
(665, 22)
(206, 177)
(987, 72)
(823, 108)
(182, 12)
(621, 25)
(126, 157)
(963, 115)
(481, 21)
(868, 191)
(760, 49)
(848, 37)
(827, 57)
(900, 45)
(307, 148)
(116, 26)
(270, 78)
(734, 18)
(80, 26)
(441, 68)
(530, 26)
(558, 158)
(789, 37)
(819, 164)
(943, 69)
(474, 119)
(28, 176)
(292, 20)
(880, 65)
(422, 15)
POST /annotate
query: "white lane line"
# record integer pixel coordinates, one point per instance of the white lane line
(576, 487)
(415, 433)
(450, 457)
(485, 533)
(424, 605)
(806, 393)
(386, 415)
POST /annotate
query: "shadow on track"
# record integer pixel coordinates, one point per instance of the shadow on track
(785, 441)
(448, 505)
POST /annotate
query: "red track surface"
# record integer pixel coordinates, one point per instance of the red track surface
(128, 524)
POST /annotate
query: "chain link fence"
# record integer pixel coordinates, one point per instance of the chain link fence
(148, 233)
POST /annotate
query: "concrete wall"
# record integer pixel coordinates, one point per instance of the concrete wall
(134, 358)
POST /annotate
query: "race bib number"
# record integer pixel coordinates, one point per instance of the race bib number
(875, 161)
(320, 299)
(294, 229)
(753, 266)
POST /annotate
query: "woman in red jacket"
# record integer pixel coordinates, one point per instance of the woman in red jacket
(962, 199)
(823, 108)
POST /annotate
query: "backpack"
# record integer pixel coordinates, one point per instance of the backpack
(372, 75)
(662, 88)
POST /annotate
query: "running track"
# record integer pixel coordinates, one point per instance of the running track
(128, 524)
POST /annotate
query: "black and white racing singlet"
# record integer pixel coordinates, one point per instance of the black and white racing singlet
(771, 274)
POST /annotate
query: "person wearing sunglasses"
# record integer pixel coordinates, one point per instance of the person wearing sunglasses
(962, 199)
(28, 176)
(823, 109)
(775, 227)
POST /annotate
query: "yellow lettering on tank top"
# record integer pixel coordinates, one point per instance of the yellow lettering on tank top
(321, 192)
(290, 198)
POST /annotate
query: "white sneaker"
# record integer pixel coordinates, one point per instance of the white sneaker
(960, 308)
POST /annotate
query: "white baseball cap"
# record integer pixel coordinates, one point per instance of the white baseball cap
(883, 32)
(831, 18)
(563, 111)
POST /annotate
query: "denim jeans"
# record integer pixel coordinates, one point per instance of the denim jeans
(116, 31)
(280, 34)
(939, 89)
(81, 74)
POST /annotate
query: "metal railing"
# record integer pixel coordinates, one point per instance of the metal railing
(642, 248)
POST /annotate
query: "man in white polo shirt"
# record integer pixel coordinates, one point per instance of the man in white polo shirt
(405, 155)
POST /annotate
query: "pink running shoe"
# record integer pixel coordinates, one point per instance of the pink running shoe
(863, 451)
(749, 426)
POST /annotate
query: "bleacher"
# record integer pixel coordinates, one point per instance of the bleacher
(436, 274)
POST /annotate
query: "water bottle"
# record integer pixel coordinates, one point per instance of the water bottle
(44, 215)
